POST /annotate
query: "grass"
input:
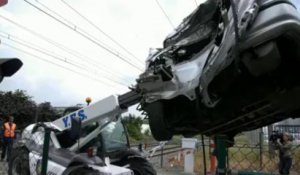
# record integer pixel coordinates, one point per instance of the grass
(241, 139)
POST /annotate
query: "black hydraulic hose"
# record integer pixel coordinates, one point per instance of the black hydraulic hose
(129, 99)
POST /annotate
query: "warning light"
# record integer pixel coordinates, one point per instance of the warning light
(88, 100)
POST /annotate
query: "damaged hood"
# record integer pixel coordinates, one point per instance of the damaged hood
(199, 25)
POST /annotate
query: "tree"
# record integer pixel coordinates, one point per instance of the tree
(18, 104)
(46, 112)
(134, 126)
(25, 111)
(147, 132)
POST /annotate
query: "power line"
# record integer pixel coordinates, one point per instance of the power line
(60, 46)
(196, 3)
(169, 20)
(42, 51)
(68, 21)
(71, 24)
(18, 40)
(66, 68)
(100, 30)
(85, 35)
(60, 59)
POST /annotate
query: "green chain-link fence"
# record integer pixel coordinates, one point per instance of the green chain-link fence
(252, 158)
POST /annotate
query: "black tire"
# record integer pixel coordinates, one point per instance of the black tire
(19, 162)
(138, 165)
(85, 171)
(157, 123)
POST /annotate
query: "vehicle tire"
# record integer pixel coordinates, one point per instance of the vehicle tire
(138, 165)
(157, 124)
(19, 162)
(85, 171)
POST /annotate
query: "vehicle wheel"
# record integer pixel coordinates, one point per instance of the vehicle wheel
(138, 165)
(157, 124)
(85, 171)
(19, 162)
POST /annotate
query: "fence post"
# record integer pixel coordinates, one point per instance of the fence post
(227, 158)
(271, 147)
(221, 154)
(45, 151)
(261, 145)
(162, 157)
(204, 157)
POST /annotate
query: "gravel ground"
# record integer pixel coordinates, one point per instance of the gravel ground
(3, 168)
(171, 172)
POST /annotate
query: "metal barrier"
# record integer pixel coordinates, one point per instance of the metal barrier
(159, 153)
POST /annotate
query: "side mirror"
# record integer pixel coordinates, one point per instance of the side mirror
(3, 2)
(9, 66)
(75, 128)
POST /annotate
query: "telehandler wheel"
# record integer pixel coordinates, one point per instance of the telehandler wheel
(85, 171)
(80, 170)
(19, 162)
(138, 165)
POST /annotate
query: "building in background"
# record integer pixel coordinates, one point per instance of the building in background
(291, 126)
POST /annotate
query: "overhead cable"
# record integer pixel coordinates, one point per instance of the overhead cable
(71, 24)
(60, 46)
(42, 51)
(100, 30)
(85, 35)
(167, 17)
(61, 59)
(66, 68)
(29, 44)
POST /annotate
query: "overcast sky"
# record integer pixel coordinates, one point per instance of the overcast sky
(136, 25)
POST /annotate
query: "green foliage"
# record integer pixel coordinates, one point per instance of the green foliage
(46, 112)
(147, 132)
(134, 126)
(177, 139)
(18, 104)
(25, 111)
